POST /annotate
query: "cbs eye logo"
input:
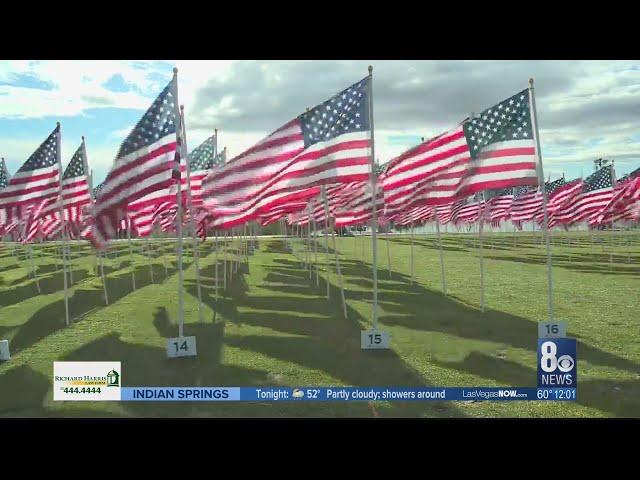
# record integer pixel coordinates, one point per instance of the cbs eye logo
(549, 362)
(565, 363)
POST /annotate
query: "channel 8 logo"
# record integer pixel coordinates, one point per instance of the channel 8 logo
(557, 362)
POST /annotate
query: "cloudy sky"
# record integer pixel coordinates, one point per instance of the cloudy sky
(586, 109)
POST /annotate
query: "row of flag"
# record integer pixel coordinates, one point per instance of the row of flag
(316, 167)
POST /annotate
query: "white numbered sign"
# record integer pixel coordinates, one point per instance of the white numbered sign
(374, 339)
(4, 350)
(181, 347)
(552, 329)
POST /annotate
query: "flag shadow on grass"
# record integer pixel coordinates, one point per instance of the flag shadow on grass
(446, 246)
(622, 398)
(226, 305)
(325, 341)
(416, 307)
(84, 300)
(419, 308)
(22, 388)
(149, 366)
(50, 283)
(584, 263)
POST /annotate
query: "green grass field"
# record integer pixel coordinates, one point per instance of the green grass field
(273, 326)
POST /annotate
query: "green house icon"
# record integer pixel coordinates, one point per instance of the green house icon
(113, 379)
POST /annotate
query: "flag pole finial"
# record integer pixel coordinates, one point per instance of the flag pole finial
(58, 124)
(82, 138)
(370, 69)
(531, 82)
(175, 71)
(182, 108)
(215, 132)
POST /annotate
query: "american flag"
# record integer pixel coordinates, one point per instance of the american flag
(562, 193)
(443, 212)
(501, 145)
(526, 203)
(625, 203)
(4, 181)
(429, 173)
(75, 196)
(201, 161)
(597, 192)
(4, 174)
(329, 143)
(34, 186)
(499, 204)
(147, 162)
(415, 215)
(359, 208)
(490, 151)
(468, 213)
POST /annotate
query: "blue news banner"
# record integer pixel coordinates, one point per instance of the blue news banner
(344, 394)
(557, 381)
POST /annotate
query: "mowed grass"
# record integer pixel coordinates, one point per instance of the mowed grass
(273, 326)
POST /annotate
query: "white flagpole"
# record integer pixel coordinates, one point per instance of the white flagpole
(69, 260)
(536, 134)
(133, 270)
(480, 242)
(196, 246)
(323, 190)
(216, 262)
(315, 254)
(149, 259)
(85, 160)
(182, 154)
(412, 268)
(374, 217)
(309, 239)
(64, 230)
(444, 283)
(386, 235)
(164, 258)
(339, 271)
(613, 238)
(33, 266)
(224, 241)
(237, 243)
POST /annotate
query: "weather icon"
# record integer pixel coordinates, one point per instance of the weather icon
(297, 393)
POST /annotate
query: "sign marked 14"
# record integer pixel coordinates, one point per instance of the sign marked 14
(181, 347)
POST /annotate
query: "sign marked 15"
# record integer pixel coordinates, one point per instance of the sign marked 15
(181, 347)
(374, 340)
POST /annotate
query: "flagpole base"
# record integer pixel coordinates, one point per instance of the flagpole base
(4, 351)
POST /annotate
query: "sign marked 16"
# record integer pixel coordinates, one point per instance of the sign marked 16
(552, 329)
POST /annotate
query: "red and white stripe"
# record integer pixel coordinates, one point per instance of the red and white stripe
(34, 187)
(430, 173)
(624, 205)
(499, 208)
(279, 169)
(133, 176)
(502, 165)
(468, 213)
(359, 208)
(584, 206)
(525, 207)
